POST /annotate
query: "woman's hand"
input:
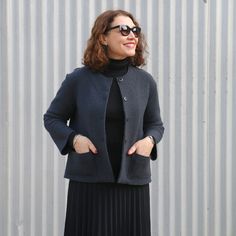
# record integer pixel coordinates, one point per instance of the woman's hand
(82, 144)
(142, 147)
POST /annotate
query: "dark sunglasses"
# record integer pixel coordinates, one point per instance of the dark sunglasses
(125, 30)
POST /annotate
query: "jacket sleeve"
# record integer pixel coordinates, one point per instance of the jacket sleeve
(59, 112)
(153, 124)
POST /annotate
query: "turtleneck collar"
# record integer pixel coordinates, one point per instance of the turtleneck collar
(116, 68)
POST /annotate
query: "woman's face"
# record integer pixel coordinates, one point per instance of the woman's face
(119, 46)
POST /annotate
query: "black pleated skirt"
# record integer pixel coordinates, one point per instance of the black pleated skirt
(107, 209)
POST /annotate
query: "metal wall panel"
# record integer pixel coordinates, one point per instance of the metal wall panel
(192, 55)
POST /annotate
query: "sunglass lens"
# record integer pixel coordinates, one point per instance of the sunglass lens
(136, 31)
(125, 30)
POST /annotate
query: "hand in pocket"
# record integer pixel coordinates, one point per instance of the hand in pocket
(142, 147)
(83, 144)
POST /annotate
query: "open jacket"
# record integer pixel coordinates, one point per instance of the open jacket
(82, 99)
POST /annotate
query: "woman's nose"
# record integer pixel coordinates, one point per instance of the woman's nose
(131, 34)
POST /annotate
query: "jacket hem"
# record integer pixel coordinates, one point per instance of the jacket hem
(91, 179)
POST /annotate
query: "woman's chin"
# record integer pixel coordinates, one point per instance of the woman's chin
(130, 53)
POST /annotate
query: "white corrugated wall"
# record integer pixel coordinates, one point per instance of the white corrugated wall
(192, 55)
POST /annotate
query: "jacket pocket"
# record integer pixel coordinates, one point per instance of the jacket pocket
(81, 164)
(139, 166)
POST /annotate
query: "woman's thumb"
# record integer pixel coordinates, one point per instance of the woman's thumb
(132, 150)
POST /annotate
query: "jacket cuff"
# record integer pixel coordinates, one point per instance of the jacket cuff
(70, 141)
(66, 148)
(153, 154)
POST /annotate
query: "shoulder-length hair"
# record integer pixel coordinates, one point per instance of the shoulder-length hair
(95, 56)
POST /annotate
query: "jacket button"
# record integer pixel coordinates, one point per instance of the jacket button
(125, 99)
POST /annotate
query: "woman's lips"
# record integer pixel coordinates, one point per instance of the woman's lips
(130, 45)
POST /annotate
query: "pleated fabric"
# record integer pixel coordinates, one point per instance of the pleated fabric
(107, 209)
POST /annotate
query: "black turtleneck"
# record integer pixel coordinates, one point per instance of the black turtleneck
(116, 68)
(115, 114)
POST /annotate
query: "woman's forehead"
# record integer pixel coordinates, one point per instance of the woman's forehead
(123, 20)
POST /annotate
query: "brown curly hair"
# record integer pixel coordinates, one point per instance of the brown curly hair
(95, 55)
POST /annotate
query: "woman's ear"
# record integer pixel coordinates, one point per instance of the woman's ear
(103, 40)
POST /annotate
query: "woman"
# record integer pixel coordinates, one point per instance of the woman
(115, 122)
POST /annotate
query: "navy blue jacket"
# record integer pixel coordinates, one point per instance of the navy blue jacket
(82, 99)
